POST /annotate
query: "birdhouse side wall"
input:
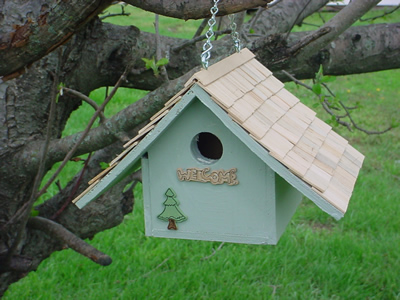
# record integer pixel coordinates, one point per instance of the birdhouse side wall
(287, 201)
(228, 199)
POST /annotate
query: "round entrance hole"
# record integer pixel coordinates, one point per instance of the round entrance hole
(207, 147)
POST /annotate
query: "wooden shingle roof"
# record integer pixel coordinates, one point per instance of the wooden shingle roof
(275, 119)
(288, 129)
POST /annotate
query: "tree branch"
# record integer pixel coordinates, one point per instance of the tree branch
(183, 9)
(296, 21)
(328, 108)
(56, 26)
(74, 190)
(381, 15)
(376, 50)
(76, 145)
(23, 212)
(198, 39)
(360, 49)
(122, 13)
(308, 39)
(282, 15)
(360, 128)
(108, 210)
(57, 231)
(17, 263)
(257, 15)
(339, 23)
(344, 56)
(201, 28)
(296, 81)
(49, 28)
(163, 69)
(85, 98)
(323, 103)
(125, 120)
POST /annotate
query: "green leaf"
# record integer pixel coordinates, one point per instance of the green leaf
(104, 165)
(316, 88)
(162, 62)
(319, 74)
(34, 212)
(395, 123)
(60, 89)
(326, 79)
(315, 105)
(334, 122)
(150, 63)
(334, 102)
(359, 105)
(147, 61)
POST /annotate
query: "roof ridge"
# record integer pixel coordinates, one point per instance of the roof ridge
(222, 67)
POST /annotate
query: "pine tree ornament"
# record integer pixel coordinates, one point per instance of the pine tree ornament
(172, 213)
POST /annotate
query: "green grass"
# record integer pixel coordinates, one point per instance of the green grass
(317, 257)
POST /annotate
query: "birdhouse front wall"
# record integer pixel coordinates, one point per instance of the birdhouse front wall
(228, 198)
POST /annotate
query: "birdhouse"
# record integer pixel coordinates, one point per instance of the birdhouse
(231, 155)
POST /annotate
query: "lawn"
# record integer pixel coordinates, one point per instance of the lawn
(317, 257)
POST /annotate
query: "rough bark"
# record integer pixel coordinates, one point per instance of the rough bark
(31, 29)
(360, 49)
(284, 15)
(184, 9)
(96, 56)
(337, 25)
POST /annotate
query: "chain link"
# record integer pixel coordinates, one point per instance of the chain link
(206, 54)
(234, 33)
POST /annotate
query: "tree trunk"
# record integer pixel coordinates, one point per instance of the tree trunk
(172, 224)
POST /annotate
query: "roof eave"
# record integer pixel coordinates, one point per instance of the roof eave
(128, 162)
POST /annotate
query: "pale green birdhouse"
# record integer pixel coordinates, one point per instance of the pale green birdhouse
(230, 156)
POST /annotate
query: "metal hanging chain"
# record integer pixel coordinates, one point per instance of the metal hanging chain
(205, 55)
(234, 33)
